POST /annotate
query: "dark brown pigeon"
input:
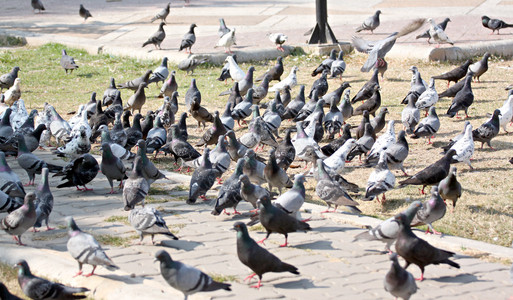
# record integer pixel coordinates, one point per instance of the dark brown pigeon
(455, 74)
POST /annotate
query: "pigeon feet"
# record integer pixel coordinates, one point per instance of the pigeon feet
(48, 228)
(262, 241)
(421, 277)
(258, 285)
(306, 220)
(112, 192)
(249, 277)
(78, 274)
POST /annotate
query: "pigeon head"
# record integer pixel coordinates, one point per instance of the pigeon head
(378, 12)
(340, 55)
(244, 179)
(413, 69)
(23, 266)
(299, 179)
(432, 112)
(241, 229)
(162, 24)
(485, 19)
(411, 211)
(265, 201)
(193, 26)
(163, 257)
(450, 153)
(486, 55)
(64, 51)
(71, 225)
(393, 257)
(239, 166)
(142, 145)
(453, 171)
(29, 198)
(333, 53)
(496, 113)
(249, 95)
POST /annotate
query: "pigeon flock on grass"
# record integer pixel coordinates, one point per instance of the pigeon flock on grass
(273, 181)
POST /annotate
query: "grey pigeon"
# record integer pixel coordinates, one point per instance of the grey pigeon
(85, 249)
(160, 73)
(182, 125)
(162, 15)
(230, 192)
(410, 116)
(235, 149)
(426, 33)
(149, 171)
(494, 24)
(285, 152)
(134, 132)
(449, 188)
(59, 128)
(21, 219)
(278, 39)
(188, 40)
(320, 85)
(417, 251)
(455, 74)
(220, 157)
(308, 108)
(227, 118)
(325, 64)
(272, 118)
(212, 134)
(149, 221)
(363, 144)
(388, 230)
(432, 210)
(112, 167)
(258, 259)
(202, 179)
(488, 130)
(169, 87)
(480, 67)
(7, 80)
(190, 63)
(179, 147)
(84, 13)
(380, 180)
(235, 97)
(417, 86)
(186, 279)
(379, 122)
(68, 62)
(31, 163)
(44, 201)
(428, 126)
(222, 28)
(295, 106)
(396, 153)
(8, 203)
(275, 72)
(367, 90)
(136, 187)
(260, 92)
(200, 113)
(117, 150)
(37, 4)
(338, 66)
(192, 92)
(156, 138)
(335, 96)
(243, 109)
(156, 38)
(274, 175)
(245, 84)
(399, 282)
(292, 200)
(79, 172)
(137, 100)
(39, 288)
(438, 34)
(6, 130)
(371, 23)
(90, 106)
(110, 93)
(134, 84)
(254, 168)
(462, 100)
(330, 191)
(345, 107)
(251, 192)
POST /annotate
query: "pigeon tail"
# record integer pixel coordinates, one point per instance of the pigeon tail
(214, 286)
(285, 267)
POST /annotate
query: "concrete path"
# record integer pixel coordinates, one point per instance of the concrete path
(331, 265)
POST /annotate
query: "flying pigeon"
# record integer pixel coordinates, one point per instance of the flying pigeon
(188, 40)
(149, 221)
(84, 13)
(79, 172)
(68, 62)
(371, 23)
(449, 188)
(494, 24)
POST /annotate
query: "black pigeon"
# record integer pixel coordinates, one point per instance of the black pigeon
(285, 152)
(147, 123)
(462, 100)
(326, 64)
(432, 174)
(157, 38)
(427, 35)
(488, 130)
(162, 15)
(68, 62)
(453, 90)
(192, 92)
(79, 172)
(134, 132)
(7, 80)
(235, 97)
(418, 251)
(455, 74)
(276, 220)
(202, 179)
(367, 89)
(494, 24)
(179, 147)
(308, 108)
(134, 84)
(37, 4)
(84, 13)
(295, 106)
(98, 119)
(320, 85)
(188, 40)
(258, 259)
(182, 125)
(275, 72)
(39, 288)
(371, 104)
(360, 130)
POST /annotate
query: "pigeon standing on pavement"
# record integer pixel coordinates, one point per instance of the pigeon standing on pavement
(37, 4)
(285, 152)
(432, 210)
(149, 171)
(258, 259)
(449, 188)
(426, 33)
(21, 219)
(162, 15)
(438, 34)
(39, 288)
(85, 249)
(10, 183)
(31, 163)
(112, 167)
(79, 172)
(371, 23)
(428, 126)
(480, 67)
(251, 192)
(399, 282)
(136, 187)
(455, 74)
(7, 80)
(84, 13)
(223, 29)
(44, 201)
(230, 192)
(488, 130)
(227, 41)
(188, 40)
(278, 39)
(462, 100)
(149, 221)
(184, 278)
(160, 73)
(494, 24)
(68, 62)
(292, 200)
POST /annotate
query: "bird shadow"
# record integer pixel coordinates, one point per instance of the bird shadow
(125, 279)
(180, 244)
(487, 210)
(318, 245)
(294, 284)
(334, 228)
(396, 79)
(88, 75)
(460, 278)
(473, 192)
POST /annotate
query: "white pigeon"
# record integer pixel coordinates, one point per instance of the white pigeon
(236, 72)
(337, 161)
(384, 141)
(464, 147)
(301, 141)
(13, 93)
(78, 145)
(278, 39)
(18, 115)
(81, 123)
(77, 117)
(438, 34)
(380, 180)
(429, 97)
(290, 81)
(506, 111)
(227, 40)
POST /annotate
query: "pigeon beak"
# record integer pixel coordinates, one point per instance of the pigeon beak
(155, 260)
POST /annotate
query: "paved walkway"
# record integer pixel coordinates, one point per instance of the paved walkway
(329, 263)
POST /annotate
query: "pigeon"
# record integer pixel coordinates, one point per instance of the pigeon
(325, 64)
(235, 149)
(31, 163)
(272, 118)
(13, 94)
(320, 85)
(166, 114)
(4, 292)
(134, 133)
(335, 96)
(453, 90)
(90, 107)
(169, 87)
(68, 62)
(191, 63)
(330, 191)
(488, 130)
(219, 157)
(383, 142)
(78, 145)
(410, 116)
(222, 28)
(200, 113)
(236, 72)
(160, 73)
(134, 84)
(494, 24)
(255, 169)
(39, 288)
(182, 125)
(226, 118)
(156, 137)
(432, 174)
(79, 172)
(462, 100)
(367, 89)
(136, 186)
(137, 100)
(455, 74)
(212, 134)
(333, 120)
(251, 192)
(149, 221)
(188, 40)
(285, 152)
(449, 188)
(336, 162)
(243, 109)
(480, 67)
(399, 282)
(286, 97)
(225, 71)
(417, 251)
(37, 4)
(227, 41)
(7, 80)
(275, 72)
(371, 104)
(192, 92)
(235, 97)
(117, 150)
(290, 81)
(112, 167)
(378, 49)
(44, 201)
(185, 278)
(301, 141)
(10, 183)
(464, 148)
(426, 33)
(81, 123)
(432, 210)
(6, 130)
(85, 249)
(292, 200)
(338, 66)
(345, 106)
(244, 84)
(260, 92)
(230, 192)
(380, 180)
(162, 15)
(110, 93)
(147, 123)
(59, 128)
(456, 138)
(20, 219)
(388, 230)
(506, 111)
(203, 178)
(19, 114)
(427, 126)
(363, 144)
(84, 13)
(333, 146)
(396, 154)
(309, 107)
(379, 122)
(275, 219)
(149, 171)
(278, 39)
(274, 175)
(371, 23)
(179, 147)
(97, 120)
(258, 259)
(428, 98)
(438, 34)
(295, 106)
(417, 86)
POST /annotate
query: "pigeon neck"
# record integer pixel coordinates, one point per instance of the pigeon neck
(112, 83)
(4, 167)
(22, 147)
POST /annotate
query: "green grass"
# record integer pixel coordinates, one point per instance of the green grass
(223, 278)
(9, 277)
(118, 219)
(114, 240)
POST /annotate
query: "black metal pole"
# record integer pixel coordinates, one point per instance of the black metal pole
(322, 32)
